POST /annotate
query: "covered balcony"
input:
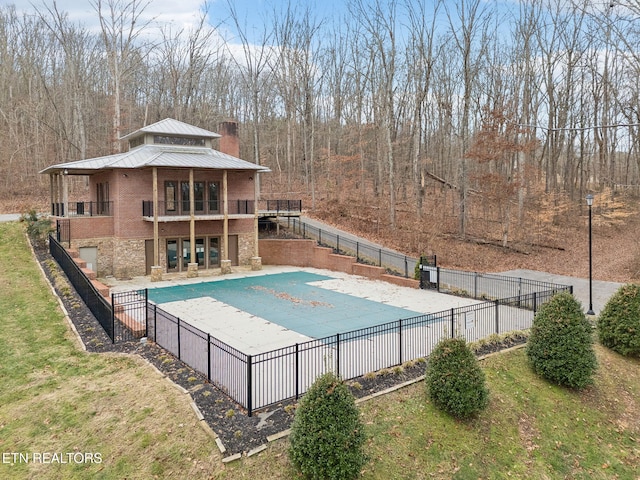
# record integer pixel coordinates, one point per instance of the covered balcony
(175, 211)
(82, 209)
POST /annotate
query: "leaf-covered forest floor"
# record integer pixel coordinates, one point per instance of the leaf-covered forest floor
(559, 245)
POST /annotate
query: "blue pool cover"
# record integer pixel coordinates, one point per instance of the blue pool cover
(287, 299)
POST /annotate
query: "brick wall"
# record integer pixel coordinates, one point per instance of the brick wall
(298, 253)
(121, 238)
(90, 227)
(306, 253)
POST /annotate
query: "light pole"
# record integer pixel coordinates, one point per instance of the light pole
(590, 312)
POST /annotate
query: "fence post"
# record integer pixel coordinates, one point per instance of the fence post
(357, 251)
(179, 357)
(338, 244)
(535, 302)
(297, 367)
(406, 268)
(146, 313)
(338, 354)
(453, 327)
(209, 356)
(497, 316)
(380, 257)
(475, 285)
(400, 331)
(438, 279)
(249, 386)
(155, 322)
(113, 318)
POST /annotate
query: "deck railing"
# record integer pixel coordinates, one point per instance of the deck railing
(82, 209)
(235, 207)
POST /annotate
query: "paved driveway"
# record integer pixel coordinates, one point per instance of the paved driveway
(9, 217)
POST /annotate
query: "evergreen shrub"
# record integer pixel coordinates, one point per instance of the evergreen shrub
(619, 321)
(327, 434)
(560, 347)
(38, 227)
(454, 381)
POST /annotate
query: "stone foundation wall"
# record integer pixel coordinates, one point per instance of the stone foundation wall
(105, 253)
(129, 258)
(246, 249)
(117, 257)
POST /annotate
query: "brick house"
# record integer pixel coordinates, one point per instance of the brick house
(171, 203)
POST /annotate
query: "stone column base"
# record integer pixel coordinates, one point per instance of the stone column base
(225, 266)
(256, 263)
(192, 270)
(156, 273)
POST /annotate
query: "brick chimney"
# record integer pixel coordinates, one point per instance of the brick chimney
(229, 142)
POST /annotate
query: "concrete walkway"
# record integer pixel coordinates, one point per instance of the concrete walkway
(602, 290)
(9, 217)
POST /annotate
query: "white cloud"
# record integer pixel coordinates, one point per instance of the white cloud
(179, 15)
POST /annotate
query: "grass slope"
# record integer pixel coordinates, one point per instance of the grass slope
(57, 398)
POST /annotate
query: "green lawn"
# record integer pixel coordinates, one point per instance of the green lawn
(57, 399)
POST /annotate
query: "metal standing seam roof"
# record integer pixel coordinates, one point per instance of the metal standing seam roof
(170, 126)
(158, 156)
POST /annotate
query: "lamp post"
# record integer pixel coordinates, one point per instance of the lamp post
(589, 204)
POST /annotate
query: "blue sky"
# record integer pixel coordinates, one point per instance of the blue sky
(253, 14)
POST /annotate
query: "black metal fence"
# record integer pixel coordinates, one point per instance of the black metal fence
(63, 231)
(258, 381)
(123, 319)
(281, 206)
(394, 262)
(483, 286)
(83, 209)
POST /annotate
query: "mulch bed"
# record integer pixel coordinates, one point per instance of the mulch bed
(238, 432)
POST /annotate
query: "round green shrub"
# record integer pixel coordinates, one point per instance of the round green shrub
(560, 347)
(454, 381)
(619, 321)
(327, 435)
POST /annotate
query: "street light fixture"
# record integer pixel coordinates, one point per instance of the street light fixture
(589, 204)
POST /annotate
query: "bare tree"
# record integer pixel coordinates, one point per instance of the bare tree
(121, 25)
(298, 77)
(185, 57)
(253, 65)
(468, 28)
(421, 55)
(379, 23)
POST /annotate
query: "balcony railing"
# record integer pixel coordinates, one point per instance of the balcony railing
(277, 206)
(235, 207)
(83, 209)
